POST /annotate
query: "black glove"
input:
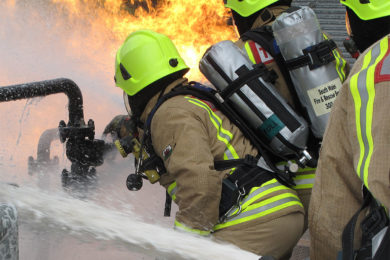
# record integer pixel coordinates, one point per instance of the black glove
(120, 126)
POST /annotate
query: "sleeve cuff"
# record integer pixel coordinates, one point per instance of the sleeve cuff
(182, 227)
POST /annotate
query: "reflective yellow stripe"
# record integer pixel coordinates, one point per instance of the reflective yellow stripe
(257, 193)
(340, 68)
(249, 52)
(339, 60)
(362, 87)
(172, 190)
(306, 169)
(183, 227)
(357, 102)
(263, 208)
(223, 135)
(341, 76)
(304, 181)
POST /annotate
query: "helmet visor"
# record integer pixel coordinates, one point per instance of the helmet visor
(127, 104)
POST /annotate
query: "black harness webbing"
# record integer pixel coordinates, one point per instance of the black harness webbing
(315, 56)
(250, 77)
(265, 38)
(374, 222)
(383, 251)
(208, 94)
(211, 95)
(239, 183)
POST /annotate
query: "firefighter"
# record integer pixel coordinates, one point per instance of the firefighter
(352, 180)
(251, 15)
(189, 134)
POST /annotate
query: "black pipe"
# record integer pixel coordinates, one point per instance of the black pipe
(43, 152)
(81, 148)
(43, 160)
(48, 87)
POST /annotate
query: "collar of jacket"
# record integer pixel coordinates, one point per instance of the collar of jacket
(152, 102)
(268, 15)
(270, 12)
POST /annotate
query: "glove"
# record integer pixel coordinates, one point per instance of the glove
(120, 126)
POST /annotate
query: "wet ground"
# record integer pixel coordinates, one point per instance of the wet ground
(49, 240)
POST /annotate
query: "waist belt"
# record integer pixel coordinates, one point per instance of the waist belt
(238, 184)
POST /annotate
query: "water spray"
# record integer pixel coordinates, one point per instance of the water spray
(43, 160)
(82, 149)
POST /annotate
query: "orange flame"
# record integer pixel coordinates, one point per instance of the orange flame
(192, 25)
(78, 39)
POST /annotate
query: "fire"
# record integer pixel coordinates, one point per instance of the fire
(78, 39)
(192, 25)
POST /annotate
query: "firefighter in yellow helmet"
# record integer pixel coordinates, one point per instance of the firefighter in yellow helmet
(189, 134)
(352, 181)
(258, 15)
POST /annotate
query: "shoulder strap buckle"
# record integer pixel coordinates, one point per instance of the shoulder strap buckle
(314, 56)
(320, 54)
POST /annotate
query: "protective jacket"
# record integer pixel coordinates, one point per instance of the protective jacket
(189, 134)
(355, 152)
(305, 177)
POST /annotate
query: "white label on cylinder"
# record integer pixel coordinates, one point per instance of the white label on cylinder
(323, 97)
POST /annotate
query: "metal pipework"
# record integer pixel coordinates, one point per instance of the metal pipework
(49, 87)
(81, 147)
(43, 151)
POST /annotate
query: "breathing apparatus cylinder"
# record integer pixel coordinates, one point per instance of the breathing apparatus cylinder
(310, 61)
(247, 87)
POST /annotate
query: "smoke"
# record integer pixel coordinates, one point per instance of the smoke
(38, 41)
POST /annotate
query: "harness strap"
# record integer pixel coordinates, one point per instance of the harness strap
(314, 56)
(383, 251)
(264, 36)
(168, 205)
(349, 232)
(221, 165)
(259, 70)
(211, 95)
(250, 78)
(375, 221)
(238, 184)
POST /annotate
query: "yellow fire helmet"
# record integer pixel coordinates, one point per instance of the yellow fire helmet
(369, 9)
(246, 8)
(145, 57)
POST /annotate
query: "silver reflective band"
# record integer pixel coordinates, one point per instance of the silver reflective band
(377, 240)
(127, 104)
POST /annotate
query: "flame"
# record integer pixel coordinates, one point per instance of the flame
(78, 39)
(192, 25)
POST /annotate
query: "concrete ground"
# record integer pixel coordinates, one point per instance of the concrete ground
(301, 251)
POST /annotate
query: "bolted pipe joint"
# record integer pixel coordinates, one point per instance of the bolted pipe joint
(81, 147)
